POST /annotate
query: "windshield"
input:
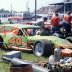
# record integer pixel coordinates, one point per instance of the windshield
(31, 32)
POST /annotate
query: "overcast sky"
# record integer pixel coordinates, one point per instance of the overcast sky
(21, 5)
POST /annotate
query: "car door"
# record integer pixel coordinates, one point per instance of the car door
(21, 38)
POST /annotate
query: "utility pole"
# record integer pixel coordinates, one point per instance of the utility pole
(27, 7)
(35, 10)
(11, 9)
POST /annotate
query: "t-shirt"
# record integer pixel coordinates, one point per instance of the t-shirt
(55, 21)
(67, 18)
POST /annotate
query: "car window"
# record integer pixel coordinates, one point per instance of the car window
(17, 31)
(30, 32)
(20, 32)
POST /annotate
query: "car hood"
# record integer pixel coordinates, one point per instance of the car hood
(55, 40)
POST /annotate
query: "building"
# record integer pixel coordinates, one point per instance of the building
(62, 7)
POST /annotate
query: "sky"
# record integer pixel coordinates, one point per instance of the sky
(21, 5)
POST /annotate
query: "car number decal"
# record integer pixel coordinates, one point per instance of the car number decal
(15, 40)
(18, 41)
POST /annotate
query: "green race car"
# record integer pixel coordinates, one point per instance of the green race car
(24, 38)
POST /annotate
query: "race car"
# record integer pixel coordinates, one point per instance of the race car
(24, 38)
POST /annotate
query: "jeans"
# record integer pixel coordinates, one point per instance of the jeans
(67, 28)
(55, 29)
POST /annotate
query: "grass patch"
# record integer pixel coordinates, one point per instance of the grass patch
(4, 67)
(32, 57)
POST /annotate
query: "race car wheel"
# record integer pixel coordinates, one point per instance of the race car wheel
(1, 41)
(69, 39)
(43, 47)
(38, 49)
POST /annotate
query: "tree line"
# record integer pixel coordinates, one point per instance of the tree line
(4, 11)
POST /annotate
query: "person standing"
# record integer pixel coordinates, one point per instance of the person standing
(68, 19)
(55, 22)
(44, 20)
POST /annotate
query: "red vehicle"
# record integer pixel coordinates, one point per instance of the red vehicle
(21, 16)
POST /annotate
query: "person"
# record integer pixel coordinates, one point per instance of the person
(68, 19)
(64, 25)
(45, 30)
(44, 20)
(55, 22)
(10, 21)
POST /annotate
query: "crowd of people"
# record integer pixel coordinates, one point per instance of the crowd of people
(58, 24)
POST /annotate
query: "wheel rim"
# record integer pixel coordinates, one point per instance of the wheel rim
(38, 49)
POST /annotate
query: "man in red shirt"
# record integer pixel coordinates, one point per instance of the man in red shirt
(68, 18)
(55, 23)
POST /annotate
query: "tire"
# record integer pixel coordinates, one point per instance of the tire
(69, 39)
(1, 41)
(43, 47)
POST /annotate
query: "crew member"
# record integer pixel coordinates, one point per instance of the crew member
(55, 22)
(44, 20)
(68, 19)
(45, 30)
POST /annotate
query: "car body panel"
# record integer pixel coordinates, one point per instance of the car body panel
(20, 26)
(11, 37)
(58, 42)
